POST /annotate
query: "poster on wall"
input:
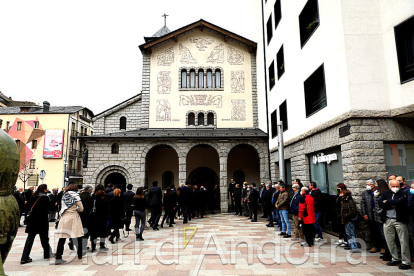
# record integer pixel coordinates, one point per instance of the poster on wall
(53, 146)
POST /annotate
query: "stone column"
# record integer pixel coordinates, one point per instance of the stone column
(182, 169)
(223, 185)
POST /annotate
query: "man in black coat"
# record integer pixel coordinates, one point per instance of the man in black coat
(155, 202)
(230, 191)
(237, 196)
(202, 200)
(21, 200)
(185, 197)
(267, 204)
(175, 198)
(128, 199)
(109, 191)
(85, 216)
(253, 198)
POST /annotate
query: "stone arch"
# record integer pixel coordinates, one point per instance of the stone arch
(160, 143)
(102, 174)
(190, 146)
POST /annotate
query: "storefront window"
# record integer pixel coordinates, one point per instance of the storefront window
(399, 160)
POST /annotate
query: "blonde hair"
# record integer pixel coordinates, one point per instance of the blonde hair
(117, 192)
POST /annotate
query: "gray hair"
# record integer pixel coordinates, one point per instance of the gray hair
(370, 182)
(305, 189)
(296, 186)
(269, 185)
(87, 188)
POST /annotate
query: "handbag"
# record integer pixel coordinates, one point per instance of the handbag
(28, 216)
(57, 223)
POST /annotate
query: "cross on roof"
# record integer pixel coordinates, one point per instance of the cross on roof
(165, 19)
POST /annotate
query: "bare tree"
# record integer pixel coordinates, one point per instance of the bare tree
(26, 173)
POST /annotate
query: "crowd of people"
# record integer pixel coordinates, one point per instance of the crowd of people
(101, 213)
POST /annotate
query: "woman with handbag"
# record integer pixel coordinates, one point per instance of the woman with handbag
(349, 215)
(38, 223)
(117, 215)
(70, 224)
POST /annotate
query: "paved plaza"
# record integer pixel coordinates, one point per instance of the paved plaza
(210, 251)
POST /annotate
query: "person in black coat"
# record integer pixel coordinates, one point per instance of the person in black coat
(128, 199)
(38, 223)
(253, 198)
(202, 200)
(99, 218)
(217, 199)
(175, 195)
(155, 202)
(185, 196)
(117, 214)
(237, 196)
(21, 201)
(87, 203)
(109, 191)
(169, 206)
(230, 193)
(267, 204)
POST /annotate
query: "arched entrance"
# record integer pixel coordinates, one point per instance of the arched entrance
(243, 164)
(161, 161)
(118, 180)
(203, 176)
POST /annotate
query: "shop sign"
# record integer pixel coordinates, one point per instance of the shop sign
(321, 158)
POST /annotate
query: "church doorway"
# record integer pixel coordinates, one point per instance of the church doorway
(118, 180)
(161, 164)
(203, 176)
(243, 164)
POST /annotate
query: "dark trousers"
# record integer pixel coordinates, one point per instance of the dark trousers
(238, 207)
(44, 239)
(168, 214)
(246, 209)
(270, 219)
(128, 214)
(156, 211)
(376, 238)
(232, 201)
(250, 209)
(202, 210)
(61, 244)
(94, 240)
(115, 234)
(309, 232)
(185, 212)
(254, 208)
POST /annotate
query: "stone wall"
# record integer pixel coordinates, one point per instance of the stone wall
(146, 72)
(132, 156)
(362, 151)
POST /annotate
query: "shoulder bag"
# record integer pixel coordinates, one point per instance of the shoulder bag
(28, 216)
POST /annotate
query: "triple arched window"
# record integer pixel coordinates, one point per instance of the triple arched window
(201, 118)
(201, 78)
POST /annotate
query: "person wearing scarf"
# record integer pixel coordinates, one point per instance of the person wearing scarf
(70, 224)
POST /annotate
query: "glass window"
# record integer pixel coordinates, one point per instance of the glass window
(201, 119)
(200, 79)
(191, 119)
(183, 79)
(34, 144)
(19, 125)
(36, 125)
(210, 119)
(399, 160)
(122, 123)
(115, 148)
(218, 79)
(209, 79)
(192, 79)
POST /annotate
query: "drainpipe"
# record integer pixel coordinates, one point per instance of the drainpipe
(281, 151)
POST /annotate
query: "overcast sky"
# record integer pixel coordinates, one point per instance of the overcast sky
(86, 52)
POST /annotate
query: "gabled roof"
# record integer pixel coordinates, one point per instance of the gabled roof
(117, 107)
(39, 110)
(146, 47)
(161, 32)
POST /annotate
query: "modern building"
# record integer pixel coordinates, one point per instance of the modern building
(339, 75)
(49, 139)
(196, 119)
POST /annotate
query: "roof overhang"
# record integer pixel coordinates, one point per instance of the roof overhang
(201, 24)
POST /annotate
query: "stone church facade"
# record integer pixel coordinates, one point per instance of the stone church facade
(195, 121)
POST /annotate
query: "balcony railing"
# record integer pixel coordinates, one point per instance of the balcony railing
(74, 133)
(75, 172)
(73, 152)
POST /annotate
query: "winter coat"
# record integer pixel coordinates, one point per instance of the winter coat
(399, 203)
(39, 216)
(253, 196)
(128, 199)
(267, 202)
(366, 205)
(20, 198)
(294, 203)
(275, 196)
(169, 202)
(117, 213)
(99, 219)
(378, 210)
(155, 196)
(87, 203)
(348, 209)
(306, 210)
(202, 198)
(317, 197)
(237, 195)
(283, 201)
(109, 193)
(70, 224)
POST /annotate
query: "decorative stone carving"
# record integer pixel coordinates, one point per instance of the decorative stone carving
(217, 55)
(166, 57)
(205, 100)
(237, 82)
(163, 111)
(186, 56)
(164, 82)
(234, 56)
(238, 112)
(202, 43)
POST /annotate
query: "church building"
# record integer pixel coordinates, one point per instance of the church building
(195, 121)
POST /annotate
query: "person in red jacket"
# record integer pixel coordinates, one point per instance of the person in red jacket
(307, 216)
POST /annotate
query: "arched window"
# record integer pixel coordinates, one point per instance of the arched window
(122, 123)
(115, 148)
(210, 119)
(218, 78)
(201, 119)
(183, 78)
(191, 119)
(209, 78)
(167, 179)
(192, 79)
(200, 78)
